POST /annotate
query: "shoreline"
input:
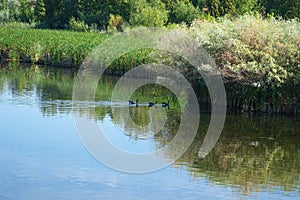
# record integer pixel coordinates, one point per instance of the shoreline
(261, 74)
(235, 105)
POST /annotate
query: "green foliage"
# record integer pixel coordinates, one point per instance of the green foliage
(266, 51)
(98, 12)
(115, 23)
(18, 25)
(77, 25)
(246, 6)
(12, 7)
(62, 48)
(4, 16)
(26, 11)
(219, 8)
(151, 14)
(9, 10)
(39, 10)
(260, 56)
(57, 14)
(288, 9)
(183, 11)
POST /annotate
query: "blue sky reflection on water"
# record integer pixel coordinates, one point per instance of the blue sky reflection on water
(41, 157)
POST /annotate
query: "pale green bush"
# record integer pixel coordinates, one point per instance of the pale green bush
(264, 50)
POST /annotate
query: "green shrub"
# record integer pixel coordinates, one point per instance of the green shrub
(4, 16)
(17, 25)
(265, 51)
(115, 23)
(182, 11)
(77, 25)
(151, 14)
(258, 59)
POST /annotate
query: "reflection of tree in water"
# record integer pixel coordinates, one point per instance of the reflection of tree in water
(252, 154)
(48, 85)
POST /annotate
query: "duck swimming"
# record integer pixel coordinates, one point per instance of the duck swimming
(150, 104)
(164, 104)
(134, 103)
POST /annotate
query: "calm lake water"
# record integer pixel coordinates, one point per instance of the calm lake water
(42, 157)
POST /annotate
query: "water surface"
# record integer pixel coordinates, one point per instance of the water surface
(42, 157)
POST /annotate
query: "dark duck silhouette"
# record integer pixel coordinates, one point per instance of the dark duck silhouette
(134, 103)
(164, 104)
(150, 104)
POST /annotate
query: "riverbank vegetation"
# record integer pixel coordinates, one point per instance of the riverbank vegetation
(49, 47)
(255, 43)
(258, 58)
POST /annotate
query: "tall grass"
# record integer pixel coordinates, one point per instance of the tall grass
(60, 48)
(47, 46)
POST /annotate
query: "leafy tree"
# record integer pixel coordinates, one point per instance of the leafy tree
(286, 9)
(183, 11)
(39, 10)
(26, 11)
(148, 13)
(89, 11)
(4, 14)
(12, 7)
(68, 9)
(55, 13)
(3, 4)
(98, 12)
(247, 6)
(50, 18)
(214, 7)
(218, 8)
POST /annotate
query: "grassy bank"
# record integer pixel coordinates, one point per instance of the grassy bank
(259, 59)
(50, 47)
(58, 48)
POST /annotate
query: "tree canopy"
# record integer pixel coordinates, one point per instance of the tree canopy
(59, 14)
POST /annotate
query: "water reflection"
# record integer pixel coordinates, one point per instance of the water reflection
(254, 154)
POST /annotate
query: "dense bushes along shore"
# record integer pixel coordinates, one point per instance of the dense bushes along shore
(258, 58)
